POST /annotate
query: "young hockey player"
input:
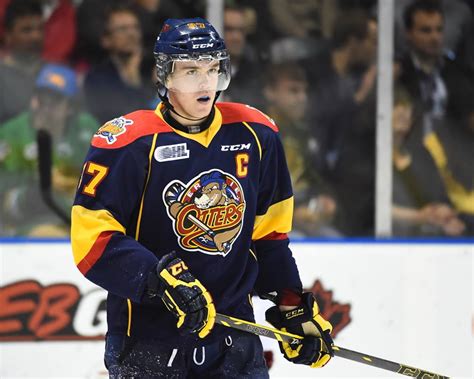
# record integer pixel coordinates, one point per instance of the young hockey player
(182, 212)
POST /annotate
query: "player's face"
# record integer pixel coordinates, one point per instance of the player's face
(426, 34)
(192, 87)
(193, 76)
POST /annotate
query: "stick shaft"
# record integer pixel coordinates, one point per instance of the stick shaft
(279, 335)
(385, 364)
(211, 233)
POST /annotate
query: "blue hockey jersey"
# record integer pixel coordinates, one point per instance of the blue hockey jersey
(221, 199)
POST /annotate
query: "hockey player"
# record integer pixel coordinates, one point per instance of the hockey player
(182, 212)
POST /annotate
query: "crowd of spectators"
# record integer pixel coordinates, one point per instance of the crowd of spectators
(68, 66)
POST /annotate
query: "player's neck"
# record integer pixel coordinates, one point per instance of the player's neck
(188, 126)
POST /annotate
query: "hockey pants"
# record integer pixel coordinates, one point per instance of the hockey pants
(237, 355)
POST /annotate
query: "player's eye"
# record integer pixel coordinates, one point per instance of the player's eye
(213, 71)
(191, 72)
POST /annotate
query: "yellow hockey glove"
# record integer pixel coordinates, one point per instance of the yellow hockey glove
(304, 320)
(183, 295)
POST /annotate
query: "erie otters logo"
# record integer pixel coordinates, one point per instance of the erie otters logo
(207, 213)
(113, 128)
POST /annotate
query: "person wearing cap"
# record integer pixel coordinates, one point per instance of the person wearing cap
(53, 108)
(182, 212)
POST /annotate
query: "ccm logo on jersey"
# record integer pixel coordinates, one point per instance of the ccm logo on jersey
(239, 147)
(171, 152)
(202, 45)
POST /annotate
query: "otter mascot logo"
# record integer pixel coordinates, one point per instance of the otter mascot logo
(207, 213)
(113, 128)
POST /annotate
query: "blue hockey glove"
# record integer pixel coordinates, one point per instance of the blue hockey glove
(183, 295)
(304, 320)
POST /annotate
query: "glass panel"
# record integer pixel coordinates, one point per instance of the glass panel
(310, 65)
(433, 120)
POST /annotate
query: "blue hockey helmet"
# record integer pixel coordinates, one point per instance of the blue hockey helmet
(190, 40)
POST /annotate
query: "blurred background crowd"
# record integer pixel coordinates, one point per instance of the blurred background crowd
(67, 66)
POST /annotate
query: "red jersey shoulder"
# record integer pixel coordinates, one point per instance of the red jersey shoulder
(123, 130)
(235, 112)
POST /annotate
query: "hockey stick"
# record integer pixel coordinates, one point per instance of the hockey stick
(294, 339)
(43, 140)
(211, 233)
(169, 199)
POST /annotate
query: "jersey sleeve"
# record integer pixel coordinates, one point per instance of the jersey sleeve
(104, 218)
(277, 267)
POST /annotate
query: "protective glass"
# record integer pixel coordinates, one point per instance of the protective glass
(197, 75)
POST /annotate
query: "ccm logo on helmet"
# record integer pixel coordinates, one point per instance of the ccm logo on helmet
(202, 45)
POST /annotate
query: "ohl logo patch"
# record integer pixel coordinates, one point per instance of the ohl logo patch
(113, 128)
(207, 212)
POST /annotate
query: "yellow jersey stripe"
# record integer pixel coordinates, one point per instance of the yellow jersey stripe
(129, 326)
(87, 225)
(256, 138)
(150, 157)
(278, 219)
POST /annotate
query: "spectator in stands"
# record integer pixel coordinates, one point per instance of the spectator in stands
(342, 79)
(152, 14)
(246, 84)
(286, 95)
(24, 35)
(59, 28)
(466, 48)
(429, 76)
(456, 14)
(300, 27)
(53, 109)
(451, 146)
(420, 203)
(90, 16)
(118, 86)
(344, 108)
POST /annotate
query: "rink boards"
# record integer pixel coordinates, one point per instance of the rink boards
(407, 302)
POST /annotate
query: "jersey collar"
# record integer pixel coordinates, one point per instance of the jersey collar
(205, 137)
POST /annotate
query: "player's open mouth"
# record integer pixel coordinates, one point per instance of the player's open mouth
(204, 99)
